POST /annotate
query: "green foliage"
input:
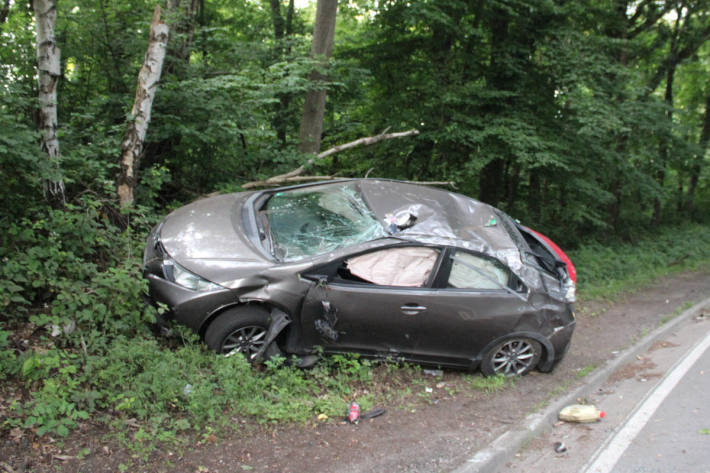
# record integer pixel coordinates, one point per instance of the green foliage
(604, 270)
(8, 362)
(489, 384)
(52, 408)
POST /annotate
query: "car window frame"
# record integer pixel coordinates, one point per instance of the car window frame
(442, 279)
(318, 274)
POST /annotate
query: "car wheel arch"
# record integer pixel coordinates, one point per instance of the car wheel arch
(258, 303)
(547, 357)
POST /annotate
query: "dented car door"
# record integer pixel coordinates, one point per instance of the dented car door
(366, 319)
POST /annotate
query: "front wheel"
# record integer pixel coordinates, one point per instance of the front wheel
(241, 330)
(512, 357)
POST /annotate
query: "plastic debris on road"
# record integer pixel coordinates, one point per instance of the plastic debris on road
(560, 447)
(582, 413)
(354, 413)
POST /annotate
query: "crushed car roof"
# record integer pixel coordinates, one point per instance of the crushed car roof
(442, 217)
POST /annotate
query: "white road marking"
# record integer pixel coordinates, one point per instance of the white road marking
(608, 455)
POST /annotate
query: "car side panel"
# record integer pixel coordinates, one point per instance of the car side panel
(435, 325)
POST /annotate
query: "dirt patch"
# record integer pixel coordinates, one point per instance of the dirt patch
(436, 436)
(638, 369)
(660, 344)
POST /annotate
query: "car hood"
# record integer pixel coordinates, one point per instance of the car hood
(208, 238)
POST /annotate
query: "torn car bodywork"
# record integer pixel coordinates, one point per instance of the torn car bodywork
(378, 267)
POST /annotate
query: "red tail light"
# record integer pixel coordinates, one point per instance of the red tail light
(570, 267)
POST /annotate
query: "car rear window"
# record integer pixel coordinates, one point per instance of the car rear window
(473, 272)
(315, 220)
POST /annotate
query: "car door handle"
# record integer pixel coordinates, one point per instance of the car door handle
(412, 309)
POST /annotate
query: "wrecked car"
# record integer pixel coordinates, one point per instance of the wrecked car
(377, 267)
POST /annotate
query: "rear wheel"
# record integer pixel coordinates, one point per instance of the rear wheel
(512, 357)
(241, 330)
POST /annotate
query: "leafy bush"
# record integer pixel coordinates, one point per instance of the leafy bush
(605, 270)
(8, 365)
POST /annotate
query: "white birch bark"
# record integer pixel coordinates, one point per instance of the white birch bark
(148, 79)
(49, 71)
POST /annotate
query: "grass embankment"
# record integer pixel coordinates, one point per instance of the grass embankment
(604, 271)
(151, 391)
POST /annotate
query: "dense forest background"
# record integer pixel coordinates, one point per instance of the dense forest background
(588, 120)
(580, 118)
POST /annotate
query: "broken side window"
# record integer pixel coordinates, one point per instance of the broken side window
(400, 266)
(474, 272)
(315, 220)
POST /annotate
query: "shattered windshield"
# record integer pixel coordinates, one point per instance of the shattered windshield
(315, 220)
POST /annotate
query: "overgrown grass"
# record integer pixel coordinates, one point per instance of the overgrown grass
(604, 271)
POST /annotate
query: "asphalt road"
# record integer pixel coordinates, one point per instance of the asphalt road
(658, 416)
(670, 429)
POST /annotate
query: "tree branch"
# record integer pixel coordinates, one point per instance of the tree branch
(650, 21)
(366, 141)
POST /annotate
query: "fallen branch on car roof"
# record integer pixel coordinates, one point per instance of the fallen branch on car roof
(366, 141)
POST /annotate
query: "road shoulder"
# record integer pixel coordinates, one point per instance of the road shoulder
(504, 448)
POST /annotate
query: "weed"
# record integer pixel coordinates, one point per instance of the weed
(489, 384)
(585, 371)
(560, 388)
(539, 406)
(8, 360)
(679, 310)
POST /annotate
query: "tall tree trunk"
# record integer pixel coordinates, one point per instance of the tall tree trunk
(696, 168)
(49, 71)
(498, 78)
(535, 195)
(281, 29)
(277, 19)
(4, 11)
(148, 79)
(181, 18)
(663, 146)
(309, 134)
(289, 19)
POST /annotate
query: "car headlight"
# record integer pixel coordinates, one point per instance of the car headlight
(570, 291)
(179, 275)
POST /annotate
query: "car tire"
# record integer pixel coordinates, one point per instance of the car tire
(512, 357)
(240, 330)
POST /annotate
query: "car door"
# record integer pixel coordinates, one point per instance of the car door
(465, 304)
(372, 301)
(476, 299)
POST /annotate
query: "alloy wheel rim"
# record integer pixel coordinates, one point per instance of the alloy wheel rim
(513, 357)
(246, 340)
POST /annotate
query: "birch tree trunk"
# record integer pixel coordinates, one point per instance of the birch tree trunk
(311, 128)
(148, 79)
(49, 71)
